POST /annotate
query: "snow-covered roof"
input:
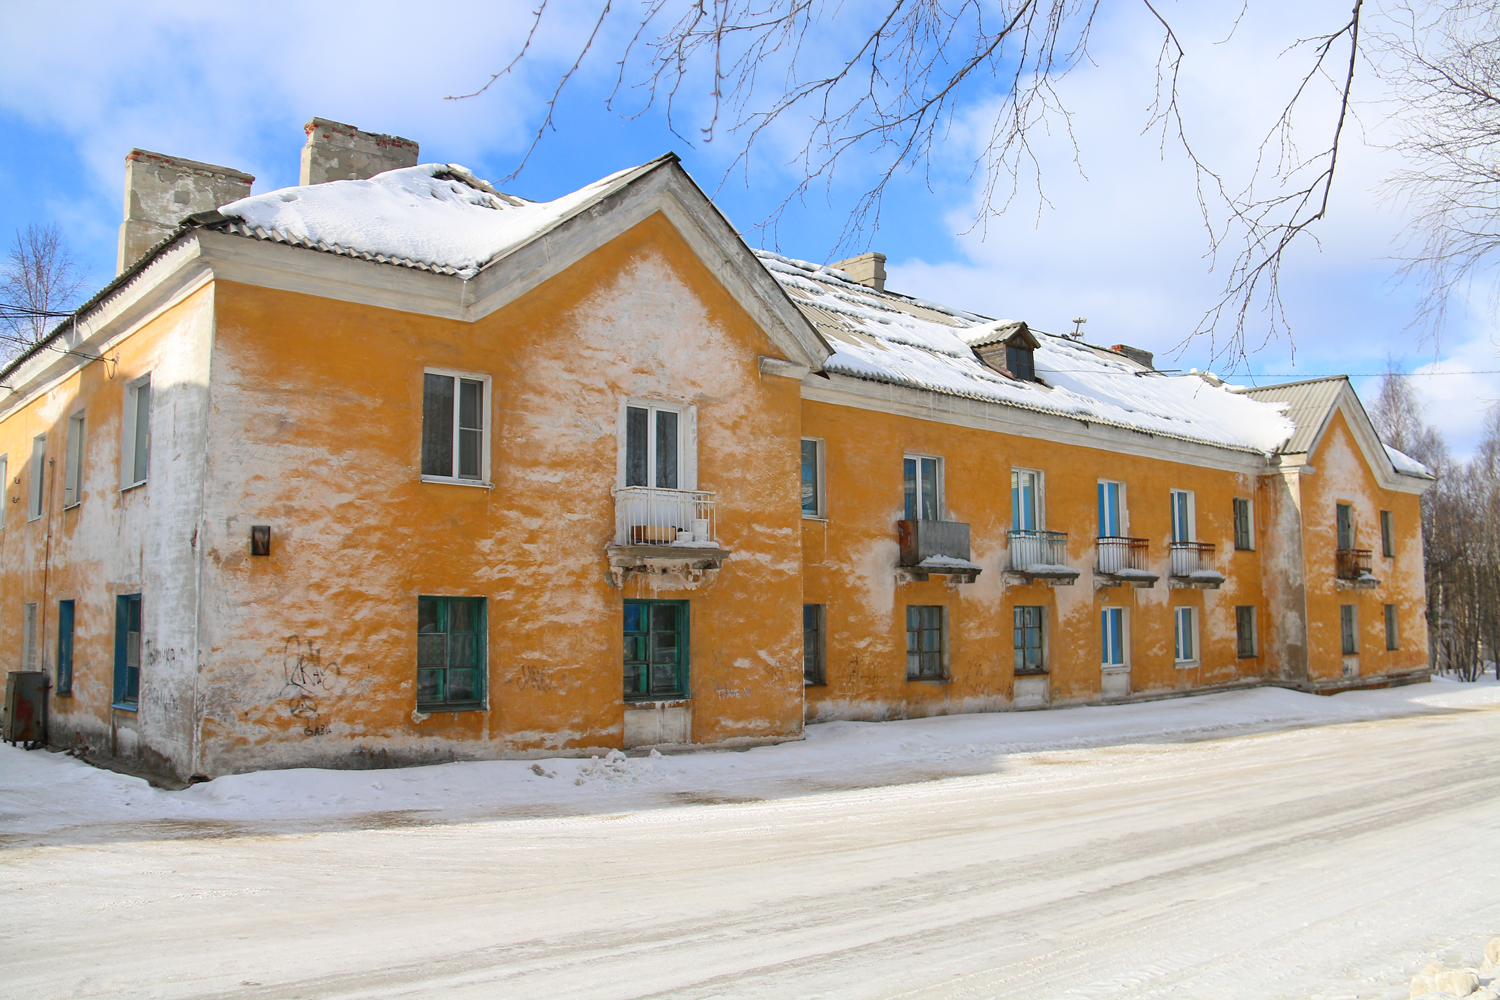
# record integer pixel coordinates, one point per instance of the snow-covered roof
(1405, 463)
(434, 216)
(895, 339)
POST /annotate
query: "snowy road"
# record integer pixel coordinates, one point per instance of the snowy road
(1330, 860)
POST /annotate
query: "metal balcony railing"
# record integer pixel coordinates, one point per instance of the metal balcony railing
(645, 515)
(1030, 549)
(1353, 563)
(1118, 553)
(1190, 557)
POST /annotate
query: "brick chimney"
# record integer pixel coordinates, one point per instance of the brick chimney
(867, 269)
(339, 152)
(161, 191)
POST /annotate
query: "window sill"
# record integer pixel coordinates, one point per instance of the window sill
(1252, 656)
(929, 680)
(814, 517)
(656, 701)
(458, 482)
(70, 506)
(1187, 664)
(131, 486)
(467, 706)
(1115, 668)
(814, 684)
(125, 707)
(1032, 673)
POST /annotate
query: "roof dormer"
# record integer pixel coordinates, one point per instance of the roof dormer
(1010, 350)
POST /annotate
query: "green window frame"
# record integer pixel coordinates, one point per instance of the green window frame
(65, 647)
(926, 642)
(1392, 631)
(656, 641)
(814, 648)
(1029, 621)
(127, 651)
(1244, 631)
(1244, 530)
(1349, 630)
(1387, 535)
(450, 653)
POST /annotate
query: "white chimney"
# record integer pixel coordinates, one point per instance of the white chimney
(339, 152)
(161, 191)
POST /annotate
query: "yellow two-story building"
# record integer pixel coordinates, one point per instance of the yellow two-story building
(392, 467)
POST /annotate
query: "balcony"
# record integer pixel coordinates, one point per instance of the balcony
(1040, 557)
(1123, 562)
(1191, 566)
(664, 531)
(1353, 570)
(935, 548)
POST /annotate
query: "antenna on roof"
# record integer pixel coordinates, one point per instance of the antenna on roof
(1078, 322)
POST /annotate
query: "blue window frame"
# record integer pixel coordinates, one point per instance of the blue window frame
(64, 647)
(656, 650)
(127, 651)
(1112, 633)
(450, 653)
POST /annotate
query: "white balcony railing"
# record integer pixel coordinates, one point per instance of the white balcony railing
(1030, 549)
(1191, 557)
(645, 515)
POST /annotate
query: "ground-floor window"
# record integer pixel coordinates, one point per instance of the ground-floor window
(1112, 636)
(1028, 626)
(127, 650)
(28, 637)
(64, 647)
(656, 649)
(450, 653)
(1392, 636)
(925, 642)
(1348, 629)
(1185, 621)
(1244, 631)
(814, 647)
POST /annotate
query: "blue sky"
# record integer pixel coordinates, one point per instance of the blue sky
(1117, 238)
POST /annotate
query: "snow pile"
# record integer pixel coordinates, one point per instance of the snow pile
(1406, 464)
(434, 213)
(888, 338)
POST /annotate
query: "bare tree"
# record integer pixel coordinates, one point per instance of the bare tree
(884, 97)
(39, 279)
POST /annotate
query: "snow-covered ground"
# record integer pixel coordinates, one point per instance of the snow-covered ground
(1253, 844)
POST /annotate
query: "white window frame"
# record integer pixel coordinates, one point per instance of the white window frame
(1249, 503)
(487, 412)
(1124, 650)
(73, 473)
(822, 488)
(1191, 654)
(939, 494)
(130, 431)
(1124, 509)
(687, 440)
(1190, 506)
(36, 490)
(1038, 498)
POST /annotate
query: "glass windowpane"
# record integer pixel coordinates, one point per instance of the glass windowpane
(810, 478)
(909, 476)
(463, 684)
(666, 450)
(432, 650)
(142, 430)
(636, 445)
(429, 685)
(437, 425)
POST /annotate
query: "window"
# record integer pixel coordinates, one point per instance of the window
(1392, 635)
(135, 447)
(455, 447)
(1183, 516)
(1114, 638)
(1345, 523)
(1029, 625)
(28, 638)
(814, 648)
(1111, 509)
(73, 474)
(926, 642)
(64, 647)
(1387, 535)
(4, 487)
(127, 651)
(923, 479)
(35, 500)
(657, 448)
(1025, 500)
(1349, 629)
(1020, 359)
(812, 478)
(1244, 632)
(1244, 524)
(450, 653)
(656, 649)
(1185, 622)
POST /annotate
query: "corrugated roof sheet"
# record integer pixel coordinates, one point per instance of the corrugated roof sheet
(1308, 404)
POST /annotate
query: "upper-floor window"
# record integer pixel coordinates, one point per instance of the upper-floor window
(812, 478)
(1184, 528)
(37, 496)
(1244, 524)
(923, 477)
(657, 446)
(1025, 500)
(73, 474)
(135, 443)
(455, 438)
(1111, 509)
(1344, 521)
(1387, 534)
(1020, 359)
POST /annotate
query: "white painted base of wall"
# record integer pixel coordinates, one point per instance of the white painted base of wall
(1115, 683)
(658, 722)
(1032, 692)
